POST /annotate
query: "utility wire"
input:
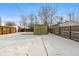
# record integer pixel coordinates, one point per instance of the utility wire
(20, 9)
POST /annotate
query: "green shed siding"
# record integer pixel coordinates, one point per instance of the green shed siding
(40, 29)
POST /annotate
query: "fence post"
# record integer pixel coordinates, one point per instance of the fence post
(70, 32)
(2, 30)
(10, 30)
(59, 31)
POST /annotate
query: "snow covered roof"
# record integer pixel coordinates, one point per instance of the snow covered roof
(69, 23)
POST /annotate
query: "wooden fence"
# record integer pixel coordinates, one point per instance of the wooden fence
(7, 30)
(71, 32)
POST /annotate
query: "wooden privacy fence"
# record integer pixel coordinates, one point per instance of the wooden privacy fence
(7, 30)
(71, 32)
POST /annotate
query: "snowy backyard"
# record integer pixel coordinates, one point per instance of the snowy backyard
(26, 44)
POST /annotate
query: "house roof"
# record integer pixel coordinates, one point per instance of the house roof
(69, 23)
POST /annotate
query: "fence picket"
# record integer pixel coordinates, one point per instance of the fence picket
(7, 30)
(71, 32)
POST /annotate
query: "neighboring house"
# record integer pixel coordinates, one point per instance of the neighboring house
(55, 25)
(69, 23)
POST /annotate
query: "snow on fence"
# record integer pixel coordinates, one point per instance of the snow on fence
(7, 30)
(71, 32)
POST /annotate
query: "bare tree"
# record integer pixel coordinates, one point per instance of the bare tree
(0, 21)
(73, 16)
(36, 20)
(77, 18)
(23, 22)
(52, 16)
(10, 23)
(70, 16)
(46, 14)
(31, 18)
(60, 19)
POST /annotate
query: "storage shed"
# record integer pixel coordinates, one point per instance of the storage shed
(40, 29)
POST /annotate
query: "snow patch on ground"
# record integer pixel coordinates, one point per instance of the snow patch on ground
(26, 44)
